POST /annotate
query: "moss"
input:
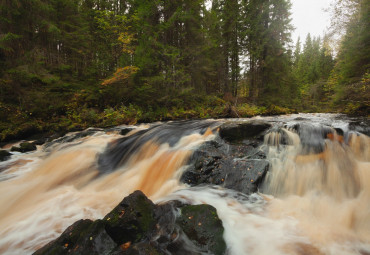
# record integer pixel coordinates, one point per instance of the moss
(202, 225)
(132, 220)
(24, 147)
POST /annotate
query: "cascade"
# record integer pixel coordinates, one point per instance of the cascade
(314, 198)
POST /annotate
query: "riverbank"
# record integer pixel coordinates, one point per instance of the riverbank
(24, 126)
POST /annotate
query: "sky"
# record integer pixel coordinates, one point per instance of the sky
(309, 17)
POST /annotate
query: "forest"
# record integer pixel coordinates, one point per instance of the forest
(71, 64)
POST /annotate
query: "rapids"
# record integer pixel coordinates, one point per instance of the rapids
(315, 198)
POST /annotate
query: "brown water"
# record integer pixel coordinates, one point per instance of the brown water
(327, 193)
(316, 203)
(51, 191)
(310, 203)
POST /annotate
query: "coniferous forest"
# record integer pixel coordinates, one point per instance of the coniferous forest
(71, 64)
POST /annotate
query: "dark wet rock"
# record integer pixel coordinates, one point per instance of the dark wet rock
(126, 130)
(241, 167)
(252, 173)
(170, 238)
(361, 127)
(234, 132)
(313, 137)
(83, 237)
(143, 248)
(137, 226)
(4, 155)
(40, 141)
(201, 225)
(132, 220)
(24, 147)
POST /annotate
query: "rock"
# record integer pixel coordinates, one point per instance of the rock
(24, 147)
(132, 220)
(234, 132)
(241, 167)
(249, 177)
(202, 226)
(83, 237)
(170, 239)
(143, 248)
(126, 130)
(4, 155)
(137, 226)
(361, 127)
(40, 141)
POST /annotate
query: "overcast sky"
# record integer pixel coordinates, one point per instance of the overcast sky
(309, 17)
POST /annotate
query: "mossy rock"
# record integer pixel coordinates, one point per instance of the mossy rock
(24, 147)
(4, 155)
(84, 237)
(202, 226)
(67, 241)
(132, 220)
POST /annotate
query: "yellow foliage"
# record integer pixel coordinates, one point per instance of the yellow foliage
(122, 73)
(126, 39)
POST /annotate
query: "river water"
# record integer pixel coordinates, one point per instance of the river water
(309, 203)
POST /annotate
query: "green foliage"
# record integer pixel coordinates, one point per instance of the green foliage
(349, 79)
(67, 65)
(311, 70)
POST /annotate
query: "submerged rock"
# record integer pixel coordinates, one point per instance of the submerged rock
(137, 226)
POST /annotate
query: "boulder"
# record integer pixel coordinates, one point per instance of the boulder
(24, 147)
(248, 176)
(126, 130)
(234, 132)
(83, 237)
(132, 220)
(241, 167)
(137, 226)
(4, 155)
(203, 227)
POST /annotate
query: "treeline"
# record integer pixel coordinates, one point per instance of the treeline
(332, 78)
(68, 64)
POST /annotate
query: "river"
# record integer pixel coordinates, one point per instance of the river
(310, 202)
